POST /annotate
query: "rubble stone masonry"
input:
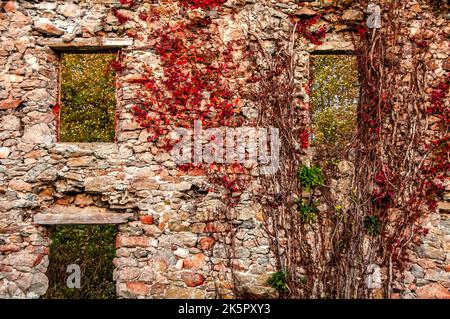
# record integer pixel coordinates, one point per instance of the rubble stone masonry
(170, 244)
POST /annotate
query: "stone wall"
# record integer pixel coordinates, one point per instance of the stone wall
(174, 245)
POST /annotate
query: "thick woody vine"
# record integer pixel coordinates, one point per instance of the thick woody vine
(392, 190)
(396, 190)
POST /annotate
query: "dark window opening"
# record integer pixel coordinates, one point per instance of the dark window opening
(334, 101)
(87, 98)
(92, 249)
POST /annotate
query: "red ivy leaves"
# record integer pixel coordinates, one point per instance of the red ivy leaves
(303, 28)
(440, 149)
(420, 43)
(383, 194)
(202, 4)
(194, 86)
(128, 3)
(437, 98)
(120, 16)
(362, 30)
(304, 139)
(116, 65)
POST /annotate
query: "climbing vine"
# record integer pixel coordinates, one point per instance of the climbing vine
(395, 189)
(318, 255)
(392, 190)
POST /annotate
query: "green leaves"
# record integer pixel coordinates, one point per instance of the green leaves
(310, 177)
(372, 225)
(278, 281)
(307, 211)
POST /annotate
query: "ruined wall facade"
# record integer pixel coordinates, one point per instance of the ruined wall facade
(172, 245)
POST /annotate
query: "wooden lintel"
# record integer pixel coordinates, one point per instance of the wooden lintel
(333, 47)
(85, 218)
(444, 207)
(98, 44)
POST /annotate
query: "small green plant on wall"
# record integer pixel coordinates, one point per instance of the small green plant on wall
(310, 177)
(303, 280)
(308, 211)
(372, 225)
(278, 281)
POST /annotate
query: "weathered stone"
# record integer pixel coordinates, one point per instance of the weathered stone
(39, 96)
(138, 288)
(9, 104)
(242, 252)
(345, 167)
(162, 157)
(83, 200)
(206, 243)
(428, 251)
(99, 184)
(144, 181)
(22, 258)
(10, 123)
(433, 291)
(4, 152)
(39, 284)
(10, 6)
(182, 253)
(147, 274)
(193, 280)
(424, 264)
(305, 12)
(37, 134)
(69, 10)
(178, 226)
(216, 227)
(135, 241)
(127, 274)
(140, 253)
(91, 24)
(147, 219)
(10, 248)
(174, 292)
(20, 186)
(246, 213)
(64, 201)
(352, 15)
(373, 278)
(417, 271)
(82, 161)
(45, 26)
(198, 227)
(196, 261)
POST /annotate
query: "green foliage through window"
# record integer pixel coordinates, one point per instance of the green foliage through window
(90, 247)
(88, 100)
(334, 99)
